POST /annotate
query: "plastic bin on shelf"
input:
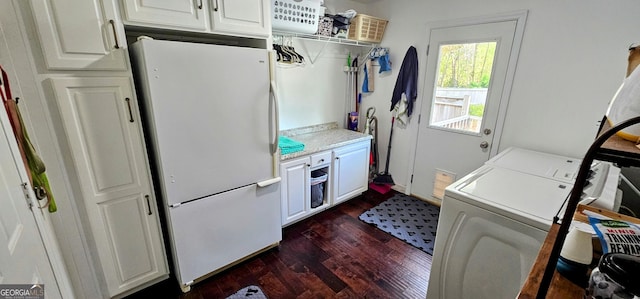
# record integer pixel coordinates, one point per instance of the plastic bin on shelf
(318, 178)
(299, 16)
(367, 28)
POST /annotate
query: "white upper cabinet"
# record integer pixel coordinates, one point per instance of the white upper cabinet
(229, 17)
(79, 35)
(177, 14)
(241, 17)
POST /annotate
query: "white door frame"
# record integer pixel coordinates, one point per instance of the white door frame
(520, 17)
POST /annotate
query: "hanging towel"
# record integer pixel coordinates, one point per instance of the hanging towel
(365, 81)
(288, 145)
(385, 64)
(34, 166)
(407, 81)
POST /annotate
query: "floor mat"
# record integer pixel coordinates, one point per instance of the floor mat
(406, 218)
(253, 292)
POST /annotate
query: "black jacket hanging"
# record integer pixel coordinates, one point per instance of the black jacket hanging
(407, 81)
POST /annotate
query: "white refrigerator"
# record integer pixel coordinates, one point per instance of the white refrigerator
(211, 122)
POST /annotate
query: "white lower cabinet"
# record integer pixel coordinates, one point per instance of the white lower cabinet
(350, 171)
(101, 122)
(295, 188)
(346, 169)
(298, 200)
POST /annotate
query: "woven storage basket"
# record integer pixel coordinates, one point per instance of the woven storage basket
(367, 28)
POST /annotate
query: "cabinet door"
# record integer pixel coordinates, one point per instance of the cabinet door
(77, 35)
(295, 190)
(350, 171)
(242, 17)
(175, 14)
(100, 120)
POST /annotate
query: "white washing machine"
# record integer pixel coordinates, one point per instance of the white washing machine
(600, 191)
(493, 222)
(546, 165)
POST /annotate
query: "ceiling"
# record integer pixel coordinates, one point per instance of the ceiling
(365, 1)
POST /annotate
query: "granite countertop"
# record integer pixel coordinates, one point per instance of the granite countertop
(321, 137)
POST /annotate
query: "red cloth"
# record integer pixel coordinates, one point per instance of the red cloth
(10, 106)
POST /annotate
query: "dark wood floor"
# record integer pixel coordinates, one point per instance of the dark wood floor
(329, 255)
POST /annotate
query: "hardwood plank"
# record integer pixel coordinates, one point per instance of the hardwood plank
(329, 255)
(275, 289)
(286, 275)
(357, 281)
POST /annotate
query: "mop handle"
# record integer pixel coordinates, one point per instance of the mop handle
(386, 165)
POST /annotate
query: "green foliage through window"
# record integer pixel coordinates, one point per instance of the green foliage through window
(466, 65)
(476, 109)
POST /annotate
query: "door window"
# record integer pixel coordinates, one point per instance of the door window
(461, 87)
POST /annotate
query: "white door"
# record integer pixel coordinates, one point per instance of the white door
(350, 171)
(23, 259)
(176, 14)
(215, 231)
(244, 17)
(295, 189)
(190, 123)
(101, 121)
(79, 35)
(459, 120)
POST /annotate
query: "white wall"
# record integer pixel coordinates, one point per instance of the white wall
(315, 92)
(572, 60)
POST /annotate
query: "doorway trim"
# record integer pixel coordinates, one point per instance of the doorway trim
(520, 16)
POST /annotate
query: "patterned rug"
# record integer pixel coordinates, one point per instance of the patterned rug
(253, 292)
(406, 218)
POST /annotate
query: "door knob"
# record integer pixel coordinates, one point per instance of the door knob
(487, 131)
(484, 144)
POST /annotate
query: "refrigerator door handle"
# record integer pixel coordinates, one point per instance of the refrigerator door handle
(269, 182)
(276, 114)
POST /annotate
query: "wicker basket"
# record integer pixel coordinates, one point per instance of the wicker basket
(367, 28)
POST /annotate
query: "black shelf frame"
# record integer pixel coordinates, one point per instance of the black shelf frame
(595, 151)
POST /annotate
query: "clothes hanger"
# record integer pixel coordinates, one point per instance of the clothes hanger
(297, 58)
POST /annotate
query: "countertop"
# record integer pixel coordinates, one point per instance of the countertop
(321, 137)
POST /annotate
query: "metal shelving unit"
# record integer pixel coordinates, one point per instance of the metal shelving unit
(607, 147)
(324, 39)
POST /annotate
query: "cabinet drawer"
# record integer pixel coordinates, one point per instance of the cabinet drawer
(321, 159)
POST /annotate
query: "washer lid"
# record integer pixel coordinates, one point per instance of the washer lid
(524, 197)
(538, 163)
